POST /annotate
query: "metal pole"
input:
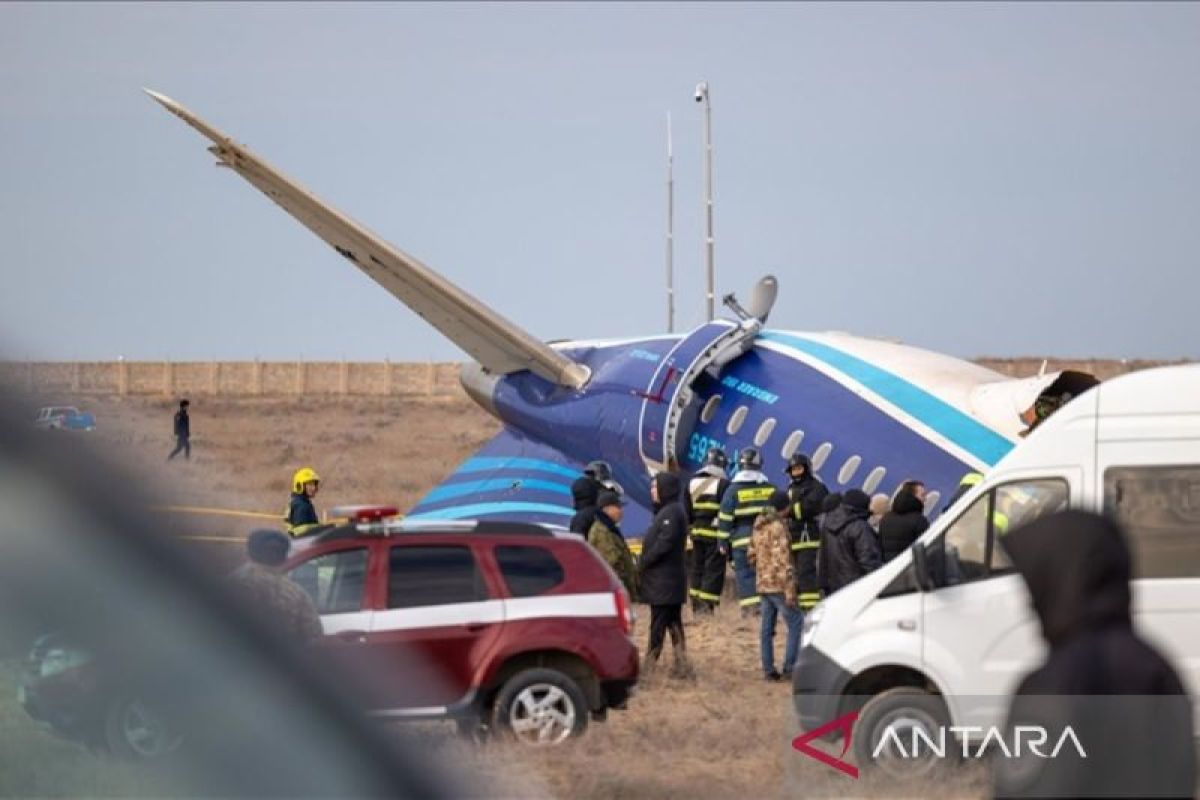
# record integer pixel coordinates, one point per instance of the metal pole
(670, 230)
(702, 93)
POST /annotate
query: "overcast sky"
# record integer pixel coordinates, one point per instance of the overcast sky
(976, 179)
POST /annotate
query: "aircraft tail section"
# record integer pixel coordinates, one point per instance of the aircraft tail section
(496, 343)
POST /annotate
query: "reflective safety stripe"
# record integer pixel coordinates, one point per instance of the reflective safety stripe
(709, 533)
(301, 530)
(709, 596)
(750, 511)
(724, 517)
(755, 494)
(810, 595)
(805, 545)
(707, 506)
(745, 540)
(796, 510)
(750, 601)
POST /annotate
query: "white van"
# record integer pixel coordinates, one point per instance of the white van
(912, 635)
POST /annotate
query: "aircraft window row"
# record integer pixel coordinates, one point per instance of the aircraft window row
(846, 473)
(931, 502)
(792, 444)
(874, 479)
(819, 457)
(710, 408)
(735, 421)
(764, 432)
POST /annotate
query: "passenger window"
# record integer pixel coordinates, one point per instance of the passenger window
(528, 571)
(735, 421)
(764, 432)
(968, 551)
(433, 576)
(334, 581)
(818, 458)
(1159, 510)
(710, 408)
(792, 444)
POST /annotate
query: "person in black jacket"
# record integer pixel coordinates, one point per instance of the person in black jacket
(849, 548)
(663, 584)
(596, 477)
(806, 495)
(183, 432)
(901, 526)
(1120, 696)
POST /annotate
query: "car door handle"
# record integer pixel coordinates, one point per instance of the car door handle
(475, 627)
(907, 624)
(357, 637)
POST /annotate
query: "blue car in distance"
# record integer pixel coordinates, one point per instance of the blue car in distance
(64, 418)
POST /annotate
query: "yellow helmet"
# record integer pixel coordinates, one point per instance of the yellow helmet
(303, 476)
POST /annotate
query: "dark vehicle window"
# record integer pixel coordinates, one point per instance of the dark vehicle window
(433, 576)
(527, 570)
(1159, 509)
(968, 551)
(335, 581)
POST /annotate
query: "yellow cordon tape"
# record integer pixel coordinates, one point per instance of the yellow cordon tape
(220, 512)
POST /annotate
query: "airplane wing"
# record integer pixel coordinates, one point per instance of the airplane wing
(497, 344)
(515, 478)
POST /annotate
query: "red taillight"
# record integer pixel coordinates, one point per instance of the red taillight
(624, 611)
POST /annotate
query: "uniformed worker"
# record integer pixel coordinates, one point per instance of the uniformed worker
(748, 496)
(283, 604)
(301, 515)
(971, 479)
(596, 478)
(805, 493)
(702, 502)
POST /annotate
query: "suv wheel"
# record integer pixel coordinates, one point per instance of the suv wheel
(903, 710)
(541, 707)
(133, 729)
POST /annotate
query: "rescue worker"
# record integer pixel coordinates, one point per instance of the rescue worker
(805, 495)
(702, 502)
(901, 526)
(597, 476)
(183, 432)
(606, 537)
(284, 604)
(301, 515)
(663, 577)
(1123, 700)
(747, 497)
(969, 480)
(849, 548)
(770, 553)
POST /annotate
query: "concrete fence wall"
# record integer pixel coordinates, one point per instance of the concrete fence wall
(232, 378)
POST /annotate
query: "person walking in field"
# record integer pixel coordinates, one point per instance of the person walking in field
(183, 432)
(775, 580)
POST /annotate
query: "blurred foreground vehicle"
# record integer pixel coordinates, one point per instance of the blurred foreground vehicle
(64, 418)
(943, 633)
(523, 628)
(136, 646)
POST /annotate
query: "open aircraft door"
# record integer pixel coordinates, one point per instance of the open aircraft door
(669, 406)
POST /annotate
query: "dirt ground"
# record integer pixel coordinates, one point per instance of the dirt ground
(726, 734)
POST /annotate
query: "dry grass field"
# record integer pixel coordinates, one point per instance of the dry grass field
(727, 734)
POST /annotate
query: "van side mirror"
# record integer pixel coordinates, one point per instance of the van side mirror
(920, 565)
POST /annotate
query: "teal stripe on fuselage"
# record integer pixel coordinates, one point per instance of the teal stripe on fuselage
(484, 509)
(451, 490)
(956, 426)
(489, 463)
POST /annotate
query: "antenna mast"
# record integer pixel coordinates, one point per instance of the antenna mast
(670, 230)
(702, 96)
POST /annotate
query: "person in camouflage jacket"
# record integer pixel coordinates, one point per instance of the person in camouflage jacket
(606, 537)
(775, 580)
(267, 591)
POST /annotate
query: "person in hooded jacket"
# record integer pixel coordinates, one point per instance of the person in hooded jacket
(663, 576)
(1077, 567)
(805, 493)
(775, 579)
(849, 547)
(901, 526)
(596, 477)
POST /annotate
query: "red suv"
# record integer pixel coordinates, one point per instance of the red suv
(523, 627)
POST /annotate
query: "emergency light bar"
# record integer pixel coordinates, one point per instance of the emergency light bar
(364, 513)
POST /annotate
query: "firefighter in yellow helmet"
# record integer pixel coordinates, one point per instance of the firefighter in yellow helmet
(301, 514)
